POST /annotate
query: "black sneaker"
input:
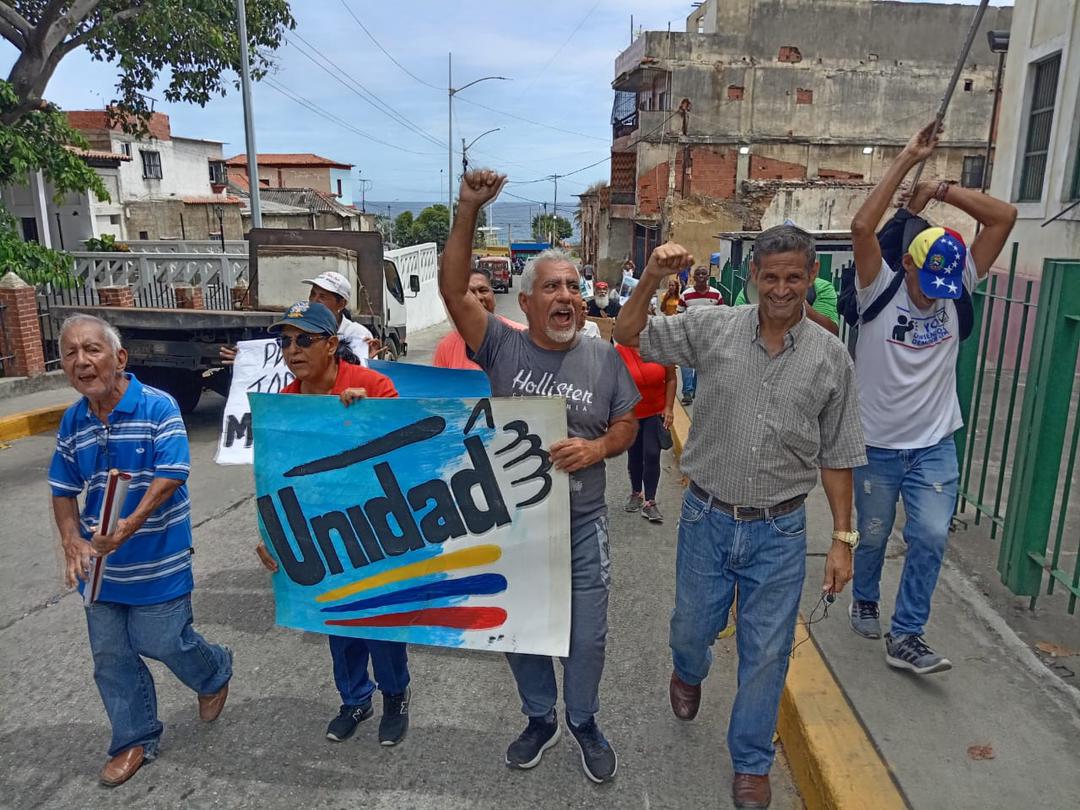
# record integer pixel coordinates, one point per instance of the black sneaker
(687, 399)
(541, 733)
(395, 718)
(349, 717)
(598, 758)
(913, 654)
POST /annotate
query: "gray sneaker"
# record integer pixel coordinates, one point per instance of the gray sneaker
(633, 502)
(913, 654)
(651, 513)
(864, 618)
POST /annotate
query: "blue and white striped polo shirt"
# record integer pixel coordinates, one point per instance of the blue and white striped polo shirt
(145, 437)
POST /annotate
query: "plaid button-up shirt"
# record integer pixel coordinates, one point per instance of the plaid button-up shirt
(763, 425)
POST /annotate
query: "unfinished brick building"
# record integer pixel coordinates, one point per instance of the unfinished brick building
(759, 95)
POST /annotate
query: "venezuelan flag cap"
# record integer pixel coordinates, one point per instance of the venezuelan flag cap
(940, 255)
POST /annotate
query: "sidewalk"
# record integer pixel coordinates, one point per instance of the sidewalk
(998, 695)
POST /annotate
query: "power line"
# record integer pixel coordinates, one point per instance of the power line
(559, 50)
(388, 54)
(335, 119)
(336, 73)
(529, 120)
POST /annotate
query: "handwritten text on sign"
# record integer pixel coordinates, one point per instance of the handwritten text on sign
(435, 521)
(259, 368)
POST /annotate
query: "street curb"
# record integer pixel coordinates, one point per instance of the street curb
(27, 423)
(18, 386)
(834, 763)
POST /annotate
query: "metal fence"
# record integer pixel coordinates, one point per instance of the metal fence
(139, 270)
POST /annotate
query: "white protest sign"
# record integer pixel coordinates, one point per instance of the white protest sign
(259, 368)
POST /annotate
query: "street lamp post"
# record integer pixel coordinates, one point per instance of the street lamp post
(219, 212)
(249, 120)
(451, 91)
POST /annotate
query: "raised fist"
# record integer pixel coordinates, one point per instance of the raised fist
(668, 258)
(480, 186)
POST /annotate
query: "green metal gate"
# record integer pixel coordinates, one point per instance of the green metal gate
(1018, 448)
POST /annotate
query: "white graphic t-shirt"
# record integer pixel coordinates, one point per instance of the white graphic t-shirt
(905, 367)
(357, 337)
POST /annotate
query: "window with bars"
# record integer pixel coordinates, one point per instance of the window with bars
(1039, 127)
(151, 164)
(217, 172)
(972, 174)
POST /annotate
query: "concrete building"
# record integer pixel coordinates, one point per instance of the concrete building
(818, 92)
(304, 209)
(297, 170)
(160, 186)
(1037, 167)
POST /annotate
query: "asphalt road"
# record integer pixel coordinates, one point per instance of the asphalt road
(268, 750)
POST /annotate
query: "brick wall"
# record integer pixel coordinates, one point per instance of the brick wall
(116, 296)
(21, 333)
(764, 168)
(189, 297)
(712, 172)
(623, 170)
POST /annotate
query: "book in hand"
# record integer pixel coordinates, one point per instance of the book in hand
(116, 488)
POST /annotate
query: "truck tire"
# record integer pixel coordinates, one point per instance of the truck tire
(185, 386)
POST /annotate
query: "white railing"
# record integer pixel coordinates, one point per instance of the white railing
(140, 270)
(232, 246)
(426, 307)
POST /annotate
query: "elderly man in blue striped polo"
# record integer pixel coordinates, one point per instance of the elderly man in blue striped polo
(143, 609)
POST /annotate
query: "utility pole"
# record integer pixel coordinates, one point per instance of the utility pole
(555, 210)
(249, 123)
(451, 91)
(450, 136)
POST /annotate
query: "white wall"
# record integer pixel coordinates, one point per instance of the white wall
(1041, 28)
(185, 168)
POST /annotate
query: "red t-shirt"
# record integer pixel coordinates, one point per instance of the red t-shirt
(650, 379)
(378, 386)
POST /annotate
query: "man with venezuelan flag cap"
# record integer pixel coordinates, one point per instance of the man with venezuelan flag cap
(905, 364)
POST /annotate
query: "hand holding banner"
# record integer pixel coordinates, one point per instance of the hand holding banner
(424, 521)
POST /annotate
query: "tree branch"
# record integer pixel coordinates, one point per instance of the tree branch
(82, 38)
(11, 33)
(15, 20)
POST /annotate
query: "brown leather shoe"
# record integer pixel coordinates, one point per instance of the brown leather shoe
(122, 767)
(749, 790)
(210, 706)
(685, 699)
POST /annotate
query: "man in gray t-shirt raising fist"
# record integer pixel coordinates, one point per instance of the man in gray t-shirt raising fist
(551, 359)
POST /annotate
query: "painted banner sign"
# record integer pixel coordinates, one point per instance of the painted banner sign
(260, 368)
(429, 521)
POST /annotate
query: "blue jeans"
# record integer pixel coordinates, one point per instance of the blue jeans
(590, 580)
(926, 478)
(766, 560)
(389, 659)
(121, 636)
(689, 381)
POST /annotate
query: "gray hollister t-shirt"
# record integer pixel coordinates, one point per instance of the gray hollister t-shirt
(591, 377)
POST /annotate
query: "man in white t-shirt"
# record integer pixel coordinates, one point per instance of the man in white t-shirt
(334, 291)
(905, 367)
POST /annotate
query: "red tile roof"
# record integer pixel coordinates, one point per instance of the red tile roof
(289, 159)
(97, 154)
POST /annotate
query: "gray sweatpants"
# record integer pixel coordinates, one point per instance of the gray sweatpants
(590, 580)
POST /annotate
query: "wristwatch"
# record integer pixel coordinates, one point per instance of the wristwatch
(851, 538)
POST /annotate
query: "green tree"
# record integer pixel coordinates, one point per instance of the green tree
(403, 229)
(432, 225)
(542, 227)
(41, 140)
(193, 41)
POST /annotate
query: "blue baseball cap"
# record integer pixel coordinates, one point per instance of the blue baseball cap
(308, 316)
(940, 255)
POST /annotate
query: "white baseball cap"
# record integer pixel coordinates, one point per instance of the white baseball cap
(332, 282)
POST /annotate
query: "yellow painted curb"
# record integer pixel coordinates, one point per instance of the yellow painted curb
(27, 423)
(833, 761)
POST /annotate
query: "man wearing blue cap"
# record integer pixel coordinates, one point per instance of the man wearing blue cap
(905, 364)
(308, 336)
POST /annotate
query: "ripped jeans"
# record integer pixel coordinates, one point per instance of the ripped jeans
(926, 478)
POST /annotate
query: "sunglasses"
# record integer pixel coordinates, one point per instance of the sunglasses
(304, 341)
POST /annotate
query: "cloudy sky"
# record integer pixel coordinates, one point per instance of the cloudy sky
(559, 55)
